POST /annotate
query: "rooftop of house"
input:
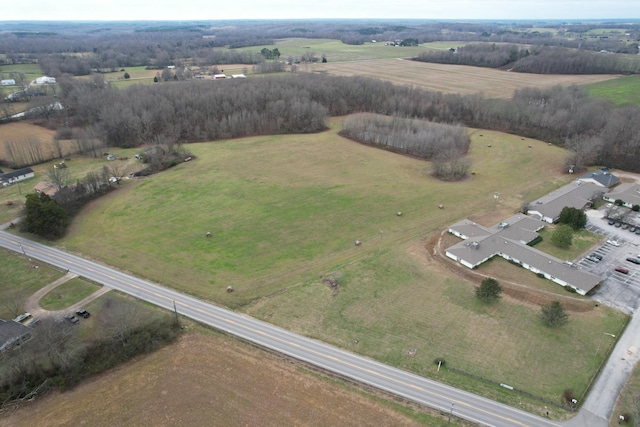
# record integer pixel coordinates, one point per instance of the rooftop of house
(11, 331)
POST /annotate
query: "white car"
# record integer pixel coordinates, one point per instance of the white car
(613, 242)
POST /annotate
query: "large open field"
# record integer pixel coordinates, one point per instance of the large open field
(284, 210)
(623, 90)
(451, 78)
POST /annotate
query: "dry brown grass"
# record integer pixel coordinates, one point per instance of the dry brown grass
(22, 131)
(452, 78)
(206, 379)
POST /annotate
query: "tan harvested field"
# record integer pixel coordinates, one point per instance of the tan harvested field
(22, 131)
(451, 78)
(206, 379)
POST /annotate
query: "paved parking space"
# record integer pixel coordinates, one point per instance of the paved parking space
(618, 290)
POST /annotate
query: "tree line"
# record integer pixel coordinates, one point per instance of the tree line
(78, 49)
(536, 59)
(445, 144)
(596, 131)
(57, 356)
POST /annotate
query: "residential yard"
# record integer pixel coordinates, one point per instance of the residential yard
(12, 198)
(68, 294)
(20, 280)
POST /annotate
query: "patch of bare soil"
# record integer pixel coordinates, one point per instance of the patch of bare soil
(205, 380)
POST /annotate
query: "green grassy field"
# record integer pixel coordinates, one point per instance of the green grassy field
(12, 198)
(284, 210)
(68, 294)
(336, 51)
(623, 90)
(31, 72)
(19, 281)
(278, 206)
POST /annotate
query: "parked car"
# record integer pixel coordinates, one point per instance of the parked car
(618, 224)
(71, 318)
(622, 270)
(638, 231)
(83, 313)
(594, 257)
(611, 222)
(634, 260)
(22, 317)
(625, 226)
(613, 242)
(632, 229)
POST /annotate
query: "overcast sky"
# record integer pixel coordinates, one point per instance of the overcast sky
(292, 9)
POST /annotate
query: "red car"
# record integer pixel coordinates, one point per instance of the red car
(622, 270)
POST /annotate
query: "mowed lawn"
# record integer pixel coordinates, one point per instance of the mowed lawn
(284, 210)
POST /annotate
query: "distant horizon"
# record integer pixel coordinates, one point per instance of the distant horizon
(433, 10)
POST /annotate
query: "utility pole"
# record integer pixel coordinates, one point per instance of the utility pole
(175, 310)
(450, 413)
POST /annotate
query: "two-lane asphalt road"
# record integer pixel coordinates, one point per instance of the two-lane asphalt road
(344, 363)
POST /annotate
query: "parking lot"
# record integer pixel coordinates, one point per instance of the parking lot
(618, 290)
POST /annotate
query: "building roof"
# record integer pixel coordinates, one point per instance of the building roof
(11, 331)
(16, 173)
(509, 239)
(628, 192)
(45, 187)
(602, 178)
(575, 195)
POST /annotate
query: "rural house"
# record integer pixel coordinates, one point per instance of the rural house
(46, 188)
(44, 80)
(509, 239)
(16, 176)
(12, 334)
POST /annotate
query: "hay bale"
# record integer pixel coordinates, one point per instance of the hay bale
(229, 288)
(208, 234)
(399, 213)
(357, 242)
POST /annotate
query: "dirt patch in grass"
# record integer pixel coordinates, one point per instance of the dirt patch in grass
(209, 379)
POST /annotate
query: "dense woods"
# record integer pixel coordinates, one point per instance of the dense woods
(413, 137)
(534, 59)
(595, 130)
(80, 48)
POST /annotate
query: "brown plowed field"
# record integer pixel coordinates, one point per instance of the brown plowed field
(451, 78)
(206, 379)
